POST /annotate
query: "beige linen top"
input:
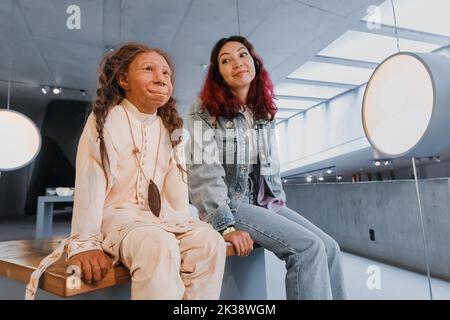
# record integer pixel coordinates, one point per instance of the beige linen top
(102, 213)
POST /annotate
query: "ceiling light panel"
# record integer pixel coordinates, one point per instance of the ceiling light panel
(368, 47)
(430, 16)
(328, 72)
(306, 90)
(283, 114)
(294, 104)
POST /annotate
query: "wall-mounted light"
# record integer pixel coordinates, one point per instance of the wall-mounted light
(59, 90)
(377, 163)
(339, 178)
(320, 178)
(329, 171)
(309, 178)
(45, 89)
(406, 105)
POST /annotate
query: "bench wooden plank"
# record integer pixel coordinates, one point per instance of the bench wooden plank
(19, 258)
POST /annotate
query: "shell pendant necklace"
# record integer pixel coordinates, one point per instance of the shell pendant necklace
(154, 197)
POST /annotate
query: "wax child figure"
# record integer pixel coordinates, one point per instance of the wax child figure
(234, 173)
(131, 195)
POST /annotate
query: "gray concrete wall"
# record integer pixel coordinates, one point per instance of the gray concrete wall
(347, 211)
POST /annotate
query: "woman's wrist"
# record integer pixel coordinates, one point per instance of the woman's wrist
(227, 230)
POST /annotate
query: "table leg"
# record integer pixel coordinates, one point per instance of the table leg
(44, 219)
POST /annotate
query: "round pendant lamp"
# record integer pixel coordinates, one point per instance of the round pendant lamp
(406, 106)
(20, 140)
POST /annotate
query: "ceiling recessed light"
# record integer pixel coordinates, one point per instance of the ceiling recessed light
(56, 90)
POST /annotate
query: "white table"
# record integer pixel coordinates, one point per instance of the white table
(44, 217)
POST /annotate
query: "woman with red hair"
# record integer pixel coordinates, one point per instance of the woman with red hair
(234, 173)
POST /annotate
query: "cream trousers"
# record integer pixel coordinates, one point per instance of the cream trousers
(165, 265)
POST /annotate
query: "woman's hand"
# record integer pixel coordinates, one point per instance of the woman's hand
(93, 264)
(241, 240)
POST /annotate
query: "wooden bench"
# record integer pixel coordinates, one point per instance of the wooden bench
(18, 259)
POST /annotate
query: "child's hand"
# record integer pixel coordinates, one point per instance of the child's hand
(93, 264)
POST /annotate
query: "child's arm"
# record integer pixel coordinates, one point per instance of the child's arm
(91, 189)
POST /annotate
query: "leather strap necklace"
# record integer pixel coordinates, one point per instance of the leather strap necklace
(154, 197)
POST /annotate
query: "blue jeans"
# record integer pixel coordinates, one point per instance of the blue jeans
(312, 257)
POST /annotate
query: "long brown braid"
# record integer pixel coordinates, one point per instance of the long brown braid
(110, 93)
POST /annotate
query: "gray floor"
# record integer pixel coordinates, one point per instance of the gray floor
(24, 227)
(393, 283)
(365, 279)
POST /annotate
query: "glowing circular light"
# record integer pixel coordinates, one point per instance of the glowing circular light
(20, 140)
(398, 104)
(406, 109)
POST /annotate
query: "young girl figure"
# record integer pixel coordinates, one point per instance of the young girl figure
(131, 197)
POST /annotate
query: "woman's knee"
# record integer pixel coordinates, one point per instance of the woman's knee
(324, 245)
(317, 245)
(331, 246)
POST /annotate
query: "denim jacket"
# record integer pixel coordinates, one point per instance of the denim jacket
(218, 163)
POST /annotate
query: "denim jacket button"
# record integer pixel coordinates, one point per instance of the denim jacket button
(229, 124)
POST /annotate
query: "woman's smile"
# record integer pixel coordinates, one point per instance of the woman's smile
(240, 73)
